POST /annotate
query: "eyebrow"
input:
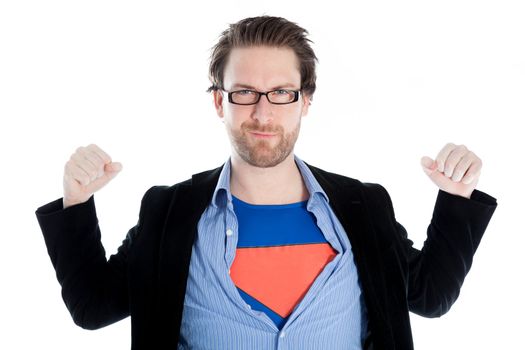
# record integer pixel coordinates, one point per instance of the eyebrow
(246, 86)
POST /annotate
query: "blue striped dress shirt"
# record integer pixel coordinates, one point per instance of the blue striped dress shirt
(332, 314)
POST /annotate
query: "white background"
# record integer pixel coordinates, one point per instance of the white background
(396, 81)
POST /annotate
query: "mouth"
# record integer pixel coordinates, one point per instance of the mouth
(261, 134)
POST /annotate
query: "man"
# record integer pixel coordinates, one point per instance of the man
(265, 251)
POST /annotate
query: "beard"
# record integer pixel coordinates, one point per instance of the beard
(260, 152)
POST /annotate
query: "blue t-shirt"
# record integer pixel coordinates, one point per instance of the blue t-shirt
(280, 252)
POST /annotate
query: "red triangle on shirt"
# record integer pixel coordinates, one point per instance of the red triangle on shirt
(280, 276)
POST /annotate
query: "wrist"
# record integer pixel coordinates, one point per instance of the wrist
(66, 202)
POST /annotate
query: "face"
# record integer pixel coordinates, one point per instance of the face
(262, 135)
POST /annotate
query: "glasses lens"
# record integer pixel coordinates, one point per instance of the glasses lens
(244, 96)
(281, 96)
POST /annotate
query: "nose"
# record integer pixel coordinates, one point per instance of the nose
(263, 110)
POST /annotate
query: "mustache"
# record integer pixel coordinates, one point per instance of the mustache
(267, 130)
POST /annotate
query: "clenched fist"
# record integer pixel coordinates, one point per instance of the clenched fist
(456, 169)
(87, 171)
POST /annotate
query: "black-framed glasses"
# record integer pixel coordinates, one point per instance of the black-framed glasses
(251, 97)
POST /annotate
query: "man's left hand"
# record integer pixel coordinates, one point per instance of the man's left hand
(456, 169)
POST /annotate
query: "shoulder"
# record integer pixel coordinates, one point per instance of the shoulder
(321, 174)
(199, 185)
(331, 179)
(160, 195)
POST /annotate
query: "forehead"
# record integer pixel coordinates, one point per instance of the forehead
(262, 67)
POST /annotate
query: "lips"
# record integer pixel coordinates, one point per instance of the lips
(262, 135)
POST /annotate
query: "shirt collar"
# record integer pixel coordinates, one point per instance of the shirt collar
(310, 181)
(222, 194)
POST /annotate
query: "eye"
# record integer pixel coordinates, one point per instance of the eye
(280, 92)
(245, 92)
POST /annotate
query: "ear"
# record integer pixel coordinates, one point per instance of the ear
(217, 102)
(307, 101)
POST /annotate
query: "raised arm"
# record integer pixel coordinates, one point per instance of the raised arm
(93, 288)
(437, 271)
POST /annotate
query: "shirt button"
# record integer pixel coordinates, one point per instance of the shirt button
(229, 232)
(282, 334)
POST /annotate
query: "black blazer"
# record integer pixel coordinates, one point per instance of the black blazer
(146, 278)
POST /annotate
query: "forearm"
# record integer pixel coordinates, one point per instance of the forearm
(93, 289)
(437, 272)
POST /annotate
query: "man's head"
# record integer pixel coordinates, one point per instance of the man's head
(262, 54)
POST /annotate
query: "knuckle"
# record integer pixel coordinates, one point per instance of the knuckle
(99, 165)
(93, 147)
(84, 179)
(461, 168)
(75, 158)
(99, 161)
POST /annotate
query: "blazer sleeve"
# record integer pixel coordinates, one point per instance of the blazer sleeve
(94, 289)
(437, 271)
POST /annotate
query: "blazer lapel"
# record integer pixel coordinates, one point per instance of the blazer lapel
(348, 201)
(189, 201)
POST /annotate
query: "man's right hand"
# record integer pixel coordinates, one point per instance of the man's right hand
(87, 171)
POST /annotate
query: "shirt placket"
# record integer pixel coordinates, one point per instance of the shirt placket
(322, 279)
(231, 234)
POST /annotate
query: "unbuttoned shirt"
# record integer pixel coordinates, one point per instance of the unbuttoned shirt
(216, 314)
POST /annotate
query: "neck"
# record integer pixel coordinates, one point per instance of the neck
(281, 184)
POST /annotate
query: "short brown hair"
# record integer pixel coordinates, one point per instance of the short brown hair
(264, 31)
